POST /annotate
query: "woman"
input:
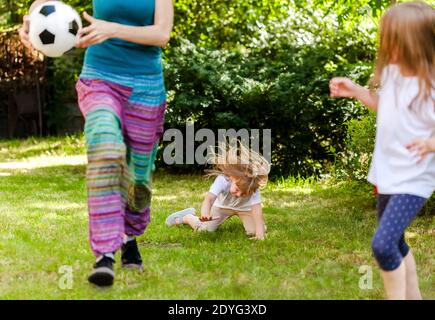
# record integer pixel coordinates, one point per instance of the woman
(122, 96)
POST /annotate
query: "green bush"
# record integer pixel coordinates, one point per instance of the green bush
(284, 87)
(354, 161)
(62, 74)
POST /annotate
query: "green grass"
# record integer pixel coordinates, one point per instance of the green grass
(319, 235)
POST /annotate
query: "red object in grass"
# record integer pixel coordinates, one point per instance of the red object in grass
(375, 190)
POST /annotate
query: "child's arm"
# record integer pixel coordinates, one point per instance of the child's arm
(257, 214)
(346, 88)
(207, 204)
(422, 147)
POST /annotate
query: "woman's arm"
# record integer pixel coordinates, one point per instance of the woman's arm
(156, 35)
(257, 214)
(346, 88)
(24, 30)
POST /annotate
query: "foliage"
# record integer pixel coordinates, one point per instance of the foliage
(283, 87)
(256, 64)
(359, 144)
(63, 73)
(13, 10)
(233, 24)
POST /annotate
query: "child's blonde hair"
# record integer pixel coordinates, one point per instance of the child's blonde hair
(247, 167)
(407, 34)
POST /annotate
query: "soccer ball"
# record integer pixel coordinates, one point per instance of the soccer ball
(54, 27)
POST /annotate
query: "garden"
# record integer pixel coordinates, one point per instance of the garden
(245, 64)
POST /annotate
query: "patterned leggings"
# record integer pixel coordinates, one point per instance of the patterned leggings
(395, 213)
(124, 123)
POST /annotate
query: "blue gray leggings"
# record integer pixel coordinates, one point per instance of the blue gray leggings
(395, 214)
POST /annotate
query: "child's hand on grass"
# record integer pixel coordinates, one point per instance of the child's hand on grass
(205, 217)
(421, 148)
(342, 88)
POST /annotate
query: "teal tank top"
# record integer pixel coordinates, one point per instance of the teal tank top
(119, 56)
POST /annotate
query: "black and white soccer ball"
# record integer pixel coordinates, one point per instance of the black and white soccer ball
(54, 28)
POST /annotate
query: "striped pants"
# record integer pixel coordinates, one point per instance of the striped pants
(124, 123)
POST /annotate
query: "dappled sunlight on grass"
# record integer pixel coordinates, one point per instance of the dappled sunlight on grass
(11, 150)
(59, 206)
(43, 162)
(164, 198)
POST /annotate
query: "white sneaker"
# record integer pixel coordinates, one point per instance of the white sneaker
(171, 220)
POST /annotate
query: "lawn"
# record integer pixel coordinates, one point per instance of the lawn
(319, 235)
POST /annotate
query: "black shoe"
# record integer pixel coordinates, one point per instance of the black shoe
(103, 274)
(130, 257)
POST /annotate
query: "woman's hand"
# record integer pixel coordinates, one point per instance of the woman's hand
(343, 88)
(24, 32)
(97, 32)
(422, 147)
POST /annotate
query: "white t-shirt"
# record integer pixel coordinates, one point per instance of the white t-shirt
(221, 188)
(394, 169)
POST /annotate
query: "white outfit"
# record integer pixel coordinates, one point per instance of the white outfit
(225, 200)
(394, 169)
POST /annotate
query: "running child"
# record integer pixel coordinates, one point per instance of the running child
(403, 165)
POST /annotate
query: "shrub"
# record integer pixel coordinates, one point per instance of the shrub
(284, 88)
(62, 75)
(355, 159)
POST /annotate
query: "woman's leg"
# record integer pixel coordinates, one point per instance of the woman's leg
(138, 190)
(143, 127)
(106, 153)
(388, 241)
(100, 103)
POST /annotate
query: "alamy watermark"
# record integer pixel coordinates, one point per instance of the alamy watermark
(66, 277)
(182, 149)
(366, 280)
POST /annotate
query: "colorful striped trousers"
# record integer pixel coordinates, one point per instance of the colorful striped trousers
(124, 123)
